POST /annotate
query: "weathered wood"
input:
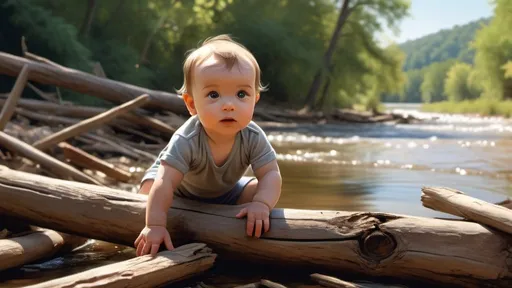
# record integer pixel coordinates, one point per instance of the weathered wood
(90, 123)
(37, 245)
(48, 118)
(146, 271)
(506, 203)
(114, 91)
(125, 127)
(270, 284)
(77, 111)
(86, 160)
(52, 97)
(457, 203)
(374, 244)
(104, 147)
(10, 104)
(122, 146)
(328, 281)
(62, 169)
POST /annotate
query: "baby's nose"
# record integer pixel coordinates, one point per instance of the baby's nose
(228, 106)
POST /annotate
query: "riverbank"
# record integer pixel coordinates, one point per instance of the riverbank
(483, 107)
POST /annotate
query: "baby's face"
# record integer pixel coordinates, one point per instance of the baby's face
(224, 98)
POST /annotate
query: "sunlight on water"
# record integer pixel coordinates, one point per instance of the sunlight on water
(383, 167)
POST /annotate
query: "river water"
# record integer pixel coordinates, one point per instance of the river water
(357, 167)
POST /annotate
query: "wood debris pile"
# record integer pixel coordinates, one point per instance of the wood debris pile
(47, 147)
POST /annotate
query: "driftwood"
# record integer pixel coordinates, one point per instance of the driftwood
(106, 146)
(114, 91)
(37, 245)
(125, 127)
(332, 282)
(90, 123)
(8, 107)
(374, 244)
(146, 271)
(457, 203)
(52, 97)
(57, 167)
(49, 119)
(86, 160)
(121, 146)
(77, 111)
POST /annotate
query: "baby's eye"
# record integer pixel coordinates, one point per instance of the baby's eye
(213, 95)
(241, 94)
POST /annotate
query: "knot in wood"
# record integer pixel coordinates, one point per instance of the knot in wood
(378, 245)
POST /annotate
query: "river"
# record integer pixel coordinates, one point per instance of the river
(356, 167)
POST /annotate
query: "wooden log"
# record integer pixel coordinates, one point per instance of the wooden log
(332, 282)
(457, 203)
(52, 97)
(86, 160)
(37, 245)
(77, 111)
(114, 91)
(122, 146)
(374, 244)
(49, 119)
(105, 147)
(270, 284)
(125, 127)
(89, 124)
(10, 104)
(146, 271)
(62, 169)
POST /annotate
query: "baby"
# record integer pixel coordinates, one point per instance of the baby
(207, 157)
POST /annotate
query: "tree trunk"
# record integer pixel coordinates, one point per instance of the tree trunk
(89, 17)
(90, 123)
(375, 244)
(147, 43)
(146, 271)
(110, 90)
(457, 203)
(35, 246)
(326, 62)
(55, 166)
(325, 91)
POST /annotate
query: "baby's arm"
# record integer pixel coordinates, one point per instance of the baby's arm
(159, 200)
(269, 184)
(161, 194)
(266, 197)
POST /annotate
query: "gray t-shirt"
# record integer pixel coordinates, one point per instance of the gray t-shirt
(188, 152)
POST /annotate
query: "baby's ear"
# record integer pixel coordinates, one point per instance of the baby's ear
(189, 102)
(257, 97)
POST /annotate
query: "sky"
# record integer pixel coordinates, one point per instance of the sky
(429, 16)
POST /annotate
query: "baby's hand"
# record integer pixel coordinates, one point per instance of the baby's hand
(257, 216)
(150, 238)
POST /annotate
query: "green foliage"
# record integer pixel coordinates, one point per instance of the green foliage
(494, 49)
(446, 44)
(48, 35)
(145, 42)
(481, 106)
(456, 86)
(432, 87)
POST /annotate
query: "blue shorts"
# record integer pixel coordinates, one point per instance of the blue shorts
(229, 198)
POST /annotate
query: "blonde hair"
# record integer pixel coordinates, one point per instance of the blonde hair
(224, 47)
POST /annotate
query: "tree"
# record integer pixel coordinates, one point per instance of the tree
(493, 45)
(432, 88)
(456, 86)
(390, 10)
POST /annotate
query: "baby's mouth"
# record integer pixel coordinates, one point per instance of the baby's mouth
(228, 120)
